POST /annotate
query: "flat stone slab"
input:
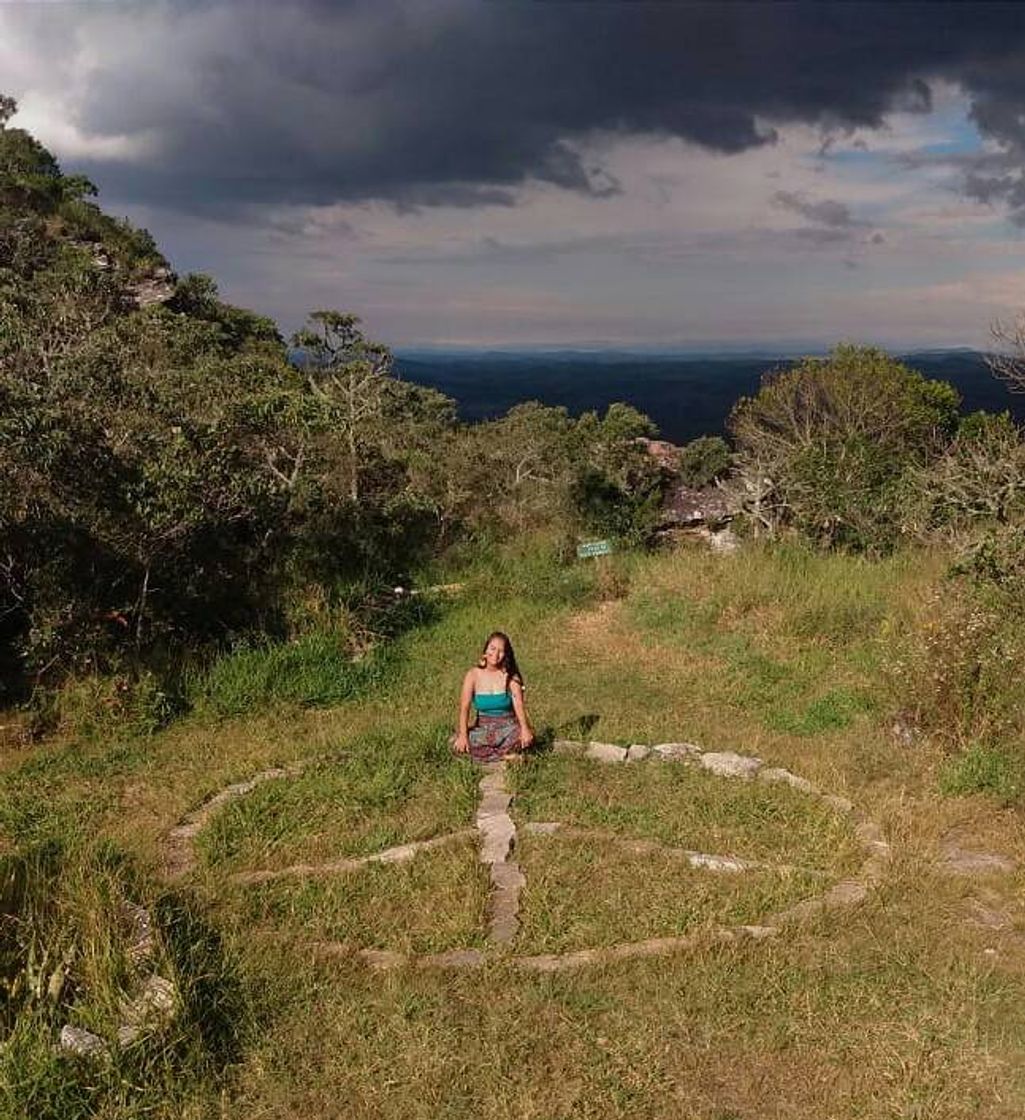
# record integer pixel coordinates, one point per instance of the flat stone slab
(494, 803)
(382, 960)
(605, 752)
(497, 837)
(637, 752)
(677, 752)
(777, 774)
(567, 746)
(967, 861)
(154, 1004)
(728, 764)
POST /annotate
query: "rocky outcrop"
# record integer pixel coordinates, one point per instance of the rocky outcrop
(686, 507)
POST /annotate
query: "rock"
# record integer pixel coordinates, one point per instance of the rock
(154, 1004)
(687, 506)
(142, 944)
(83, 1043)
(846, 893)
(497, 836)
(870, 835)
(567, 746)
(401, 853)
(508, 880)
(637, 752)
(677, 752)
(723, 541)
(494, 803)
(728, 764)
(776, 774)
(381, 960)
(964, 861)
(157, 287)
(605, 752)
(729, 864)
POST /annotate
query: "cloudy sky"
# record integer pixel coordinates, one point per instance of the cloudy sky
(556, 172)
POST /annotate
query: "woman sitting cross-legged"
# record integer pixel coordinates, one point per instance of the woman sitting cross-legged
(494, 687)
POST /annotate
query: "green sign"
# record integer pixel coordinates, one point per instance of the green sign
(594, 548)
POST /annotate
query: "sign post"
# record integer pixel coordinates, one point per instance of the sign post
(588, 549)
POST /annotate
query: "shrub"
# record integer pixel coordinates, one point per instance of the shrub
(704, 460)
(959, 672)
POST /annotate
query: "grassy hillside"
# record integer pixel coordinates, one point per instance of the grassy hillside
(907, 1005)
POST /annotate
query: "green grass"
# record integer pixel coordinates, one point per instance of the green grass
(584, 893)
(898, 1007)
(982, 769)
(316, 670)
(432, 903)
(686, 807)
(379, 790)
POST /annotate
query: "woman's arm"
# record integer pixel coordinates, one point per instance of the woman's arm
(462, 742)
(520, 708)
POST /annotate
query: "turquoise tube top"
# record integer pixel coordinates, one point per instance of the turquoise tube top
(493, 703)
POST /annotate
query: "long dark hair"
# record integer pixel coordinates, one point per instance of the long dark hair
(512, 670)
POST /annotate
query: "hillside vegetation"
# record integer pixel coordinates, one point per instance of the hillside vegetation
(218, 714)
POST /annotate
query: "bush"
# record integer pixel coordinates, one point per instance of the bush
(959, 673)
(704, 460)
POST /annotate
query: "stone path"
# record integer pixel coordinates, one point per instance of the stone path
(496, 832)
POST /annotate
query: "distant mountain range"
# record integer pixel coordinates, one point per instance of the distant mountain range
(687, 395)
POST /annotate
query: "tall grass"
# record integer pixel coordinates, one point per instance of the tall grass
(66, 958)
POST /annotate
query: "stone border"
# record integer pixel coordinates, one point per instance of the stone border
(497, 832)
(497, 840)
(152, 1003)
(700, 861)
(401, 853)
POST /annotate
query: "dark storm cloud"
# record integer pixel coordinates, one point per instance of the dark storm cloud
(459, 101)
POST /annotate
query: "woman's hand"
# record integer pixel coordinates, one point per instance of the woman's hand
(461, 744)
(526, 737)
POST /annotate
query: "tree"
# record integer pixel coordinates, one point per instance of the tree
(823, 446)
(1008, 361)
(350, 374)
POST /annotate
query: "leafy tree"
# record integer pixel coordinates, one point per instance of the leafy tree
(824, 446)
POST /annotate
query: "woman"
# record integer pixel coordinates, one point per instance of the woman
(494, 686)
